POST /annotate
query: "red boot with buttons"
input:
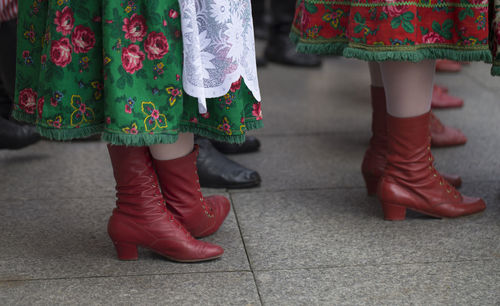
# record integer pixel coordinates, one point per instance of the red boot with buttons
(141, 217)
(410, 180)
(375, 159)
(182, 192)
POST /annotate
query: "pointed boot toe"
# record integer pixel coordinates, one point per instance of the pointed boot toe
(219, 207)
(141, 217)
(441, 99)
(180, 185)
(444, 136)
(212, 251)
(410, 180)
(448, 137)
(468, 206)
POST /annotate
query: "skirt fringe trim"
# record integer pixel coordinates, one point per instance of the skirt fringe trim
(411, 54)
(132, 140)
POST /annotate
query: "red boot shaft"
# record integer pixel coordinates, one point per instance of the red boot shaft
(375, 156)
(374, 160)
(411, 181)
(182, 192)
(141, 218)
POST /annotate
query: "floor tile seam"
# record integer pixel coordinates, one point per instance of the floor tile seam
(301, 135)
(59, 198)
(296, 189)
(123, 276)
(332, 267)
(244, 191)
(238, 191)
(246, 250)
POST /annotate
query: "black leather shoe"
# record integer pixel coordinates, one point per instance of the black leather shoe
(16, 136)
(282, 51)
(217, 171)
(251, 144)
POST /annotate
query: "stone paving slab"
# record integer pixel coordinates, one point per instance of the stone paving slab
(334, 160)
(177, 289)
(339, 227)
(332, 98)
(456, 283)
(318, 161)
(64, 238)
(65, 170)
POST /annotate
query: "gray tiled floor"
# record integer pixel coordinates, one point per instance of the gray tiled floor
(308, 235)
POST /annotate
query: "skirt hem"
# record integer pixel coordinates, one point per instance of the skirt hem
(132, 140)
(415, 55)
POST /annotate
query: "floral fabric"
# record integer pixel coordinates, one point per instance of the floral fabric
(380, 30)
(115, 67)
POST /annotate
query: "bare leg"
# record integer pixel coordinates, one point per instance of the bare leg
(181, 148)
(408, 87)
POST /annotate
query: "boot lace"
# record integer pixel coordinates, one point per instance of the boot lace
(442, 182)
(209, 211)
(161, 203)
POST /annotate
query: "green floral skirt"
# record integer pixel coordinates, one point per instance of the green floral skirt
(115, 67)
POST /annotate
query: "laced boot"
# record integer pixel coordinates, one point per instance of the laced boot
(374, 160)
(445, 136)
(181, 189)
(410, 179)
(141, 217)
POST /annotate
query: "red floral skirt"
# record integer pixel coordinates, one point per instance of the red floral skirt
(378, 30)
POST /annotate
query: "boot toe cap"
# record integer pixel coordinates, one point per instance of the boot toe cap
(448, 137)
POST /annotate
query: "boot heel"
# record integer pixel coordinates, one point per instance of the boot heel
(126, 251)
(371, 182)
(393, 212)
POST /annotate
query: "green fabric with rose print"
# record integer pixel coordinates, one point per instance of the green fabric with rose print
(115, 67)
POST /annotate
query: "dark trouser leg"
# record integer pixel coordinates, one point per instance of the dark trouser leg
(12, 134)
(7, 66)
(279, 48)
(260, 19)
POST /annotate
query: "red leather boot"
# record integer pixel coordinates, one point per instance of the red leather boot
(182, 193)
(441, 98)
(448, 66)
(445, 136)
(141, 217)
(374, 160)
(410, 180)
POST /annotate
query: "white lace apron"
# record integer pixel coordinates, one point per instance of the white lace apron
(219, 47)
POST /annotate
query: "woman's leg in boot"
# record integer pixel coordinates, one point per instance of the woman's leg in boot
(181, 148)
(141, 218)
(408, 87)
(175, 165)
(410, 179)
(375, 157)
